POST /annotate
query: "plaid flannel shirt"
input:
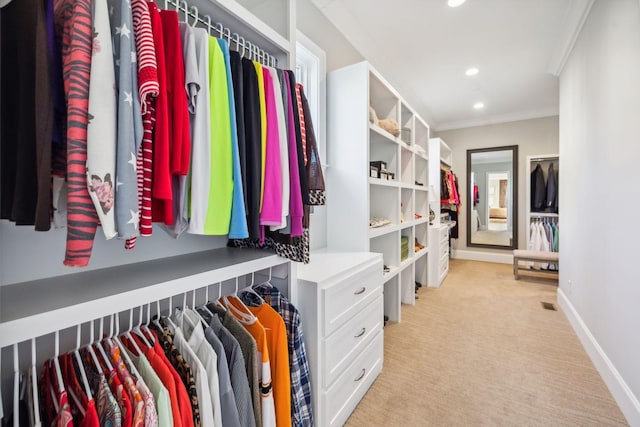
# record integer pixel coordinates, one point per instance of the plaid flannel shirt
(301, 406)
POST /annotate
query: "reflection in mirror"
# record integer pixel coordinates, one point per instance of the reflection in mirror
(492, 187)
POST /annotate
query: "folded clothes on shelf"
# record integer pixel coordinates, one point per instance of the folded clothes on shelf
(378, 222)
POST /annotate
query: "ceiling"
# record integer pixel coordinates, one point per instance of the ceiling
(423, 47)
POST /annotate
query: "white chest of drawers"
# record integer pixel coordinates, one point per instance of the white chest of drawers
(438, 254)
(341, 304)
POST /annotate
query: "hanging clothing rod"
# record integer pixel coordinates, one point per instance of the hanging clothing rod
(543, 159)
(243, 46)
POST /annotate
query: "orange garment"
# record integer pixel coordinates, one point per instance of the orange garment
(276, 333)
(184, 402)
(163, 373)
(271, 415)
(135, 396)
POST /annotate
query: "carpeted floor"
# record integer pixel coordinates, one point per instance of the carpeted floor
(481, 350)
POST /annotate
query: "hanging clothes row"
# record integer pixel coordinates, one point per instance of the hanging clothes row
(543, 237)
(450, 198)
(544, 192)
(449, 187)
(194, 137)
(222, 364)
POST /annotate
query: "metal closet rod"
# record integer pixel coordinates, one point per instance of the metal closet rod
(243, 46)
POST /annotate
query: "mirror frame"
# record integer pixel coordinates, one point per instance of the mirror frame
(514, 196)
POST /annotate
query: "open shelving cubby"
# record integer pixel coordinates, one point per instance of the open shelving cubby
(357, 193)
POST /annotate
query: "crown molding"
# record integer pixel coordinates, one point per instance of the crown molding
(574, 19)
(497, 119)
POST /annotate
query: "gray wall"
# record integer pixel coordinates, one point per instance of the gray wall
(599, 151)
(533, 137)
(340, 53)
(312, 22)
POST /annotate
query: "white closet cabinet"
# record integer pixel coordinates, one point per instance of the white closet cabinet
(340, 300)
(356, 195)
(439, 155)
(439, 256)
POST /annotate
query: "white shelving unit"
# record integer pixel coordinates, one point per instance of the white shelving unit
(354, 197)
(439, 155)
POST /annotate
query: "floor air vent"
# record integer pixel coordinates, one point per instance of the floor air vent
(548, 306)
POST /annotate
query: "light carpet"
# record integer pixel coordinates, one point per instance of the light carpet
(481, 350)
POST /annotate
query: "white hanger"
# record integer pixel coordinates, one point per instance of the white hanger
(90, 349)
(34, 384)
(249, 289)
(123, 352)
(220, 30)
(138, 330)
(249, 47)
(196, 15)
(168, 318)
(186, 11)
(1, 400)
(227, 36)
(83, 374)
(16, 387)
(193, 308)
(98, 344)
(247, 313)
(56, 362)
(127, 334)
(156, 321)
(209, 27)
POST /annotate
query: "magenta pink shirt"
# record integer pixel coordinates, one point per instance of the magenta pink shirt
(271, 213)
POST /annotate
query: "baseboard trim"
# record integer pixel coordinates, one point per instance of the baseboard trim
(627, 401)
(483, 256)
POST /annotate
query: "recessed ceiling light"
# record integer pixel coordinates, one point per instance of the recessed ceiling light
(455, 3)
(472, 71)
(478, 105)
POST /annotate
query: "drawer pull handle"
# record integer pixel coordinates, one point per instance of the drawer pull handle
(361, 333)
(359, 377)
(360, 291)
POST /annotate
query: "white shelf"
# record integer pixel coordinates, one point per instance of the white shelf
(421, 221)
(393, 271)
(384, 182)
(356, 197)
(381, 231)
(407, 262)
(39, 307)
(422, 252)
(377, 129)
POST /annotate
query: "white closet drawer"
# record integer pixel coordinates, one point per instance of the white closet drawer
(444, 233)
(444, 250)
(342, 398)
(444, 263)
(347, 342)
(341, 302)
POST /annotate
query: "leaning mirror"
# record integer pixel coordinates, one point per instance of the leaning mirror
(492, 189)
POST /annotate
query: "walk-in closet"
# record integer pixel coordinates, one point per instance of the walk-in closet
(318, 213)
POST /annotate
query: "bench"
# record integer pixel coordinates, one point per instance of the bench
(524, 255)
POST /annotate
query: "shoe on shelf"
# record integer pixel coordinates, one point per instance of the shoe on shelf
(418, 245)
